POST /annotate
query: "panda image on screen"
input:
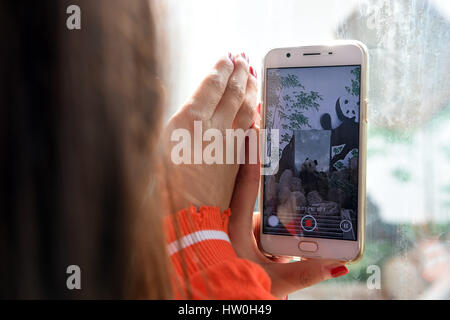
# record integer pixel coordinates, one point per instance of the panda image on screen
(309, 175)
(287, 159)
(318, 167)
(344, 136)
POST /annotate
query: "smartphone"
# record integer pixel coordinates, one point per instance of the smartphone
(313, 201)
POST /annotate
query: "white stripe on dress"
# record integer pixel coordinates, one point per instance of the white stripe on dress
(194, 238)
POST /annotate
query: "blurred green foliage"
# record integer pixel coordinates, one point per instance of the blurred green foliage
(401, 174)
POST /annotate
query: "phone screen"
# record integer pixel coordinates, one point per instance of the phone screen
(316, 111)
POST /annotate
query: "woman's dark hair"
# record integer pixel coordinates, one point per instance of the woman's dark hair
(80, 114)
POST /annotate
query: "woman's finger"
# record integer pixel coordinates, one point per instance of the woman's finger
(242, 205)
(204, 101)
(233, 96)
(247, 113)
(256, 232)
(246, 186)
(244, 195)
(290, 277)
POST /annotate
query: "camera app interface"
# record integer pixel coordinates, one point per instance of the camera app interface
(315, 190)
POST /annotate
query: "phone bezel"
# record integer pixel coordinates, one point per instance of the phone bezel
(343, 53)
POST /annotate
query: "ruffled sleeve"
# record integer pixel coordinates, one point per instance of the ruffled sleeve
(205, 265)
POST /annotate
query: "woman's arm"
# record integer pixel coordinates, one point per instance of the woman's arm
(205, 265)
(210, 261)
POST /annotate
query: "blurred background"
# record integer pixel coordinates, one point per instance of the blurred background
(408, 170)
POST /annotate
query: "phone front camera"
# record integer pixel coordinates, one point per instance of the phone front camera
(288, 55)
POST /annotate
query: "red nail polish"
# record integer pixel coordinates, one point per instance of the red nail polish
(259, 108)
(339, 271)
(231, 57)
(244, 56)
(252, 71)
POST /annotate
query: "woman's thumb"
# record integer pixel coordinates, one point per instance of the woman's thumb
(290, 277)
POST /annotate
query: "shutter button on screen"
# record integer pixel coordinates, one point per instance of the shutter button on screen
(308, 223)
(308, 246)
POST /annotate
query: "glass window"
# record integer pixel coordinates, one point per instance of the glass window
(408, 169)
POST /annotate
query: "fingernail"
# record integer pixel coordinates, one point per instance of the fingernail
(231, 57)
(244, 56)
(259, 108)
(252, 71)
(339, 271)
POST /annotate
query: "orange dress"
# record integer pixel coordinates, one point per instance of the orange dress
(204, 262)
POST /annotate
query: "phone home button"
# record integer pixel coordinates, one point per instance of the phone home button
(308, 246)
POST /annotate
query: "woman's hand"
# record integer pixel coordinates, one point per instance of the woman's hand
(226, 99)
(243, 225)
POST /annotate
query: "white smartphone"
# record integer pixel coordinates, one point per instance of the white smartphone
(313, 202)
